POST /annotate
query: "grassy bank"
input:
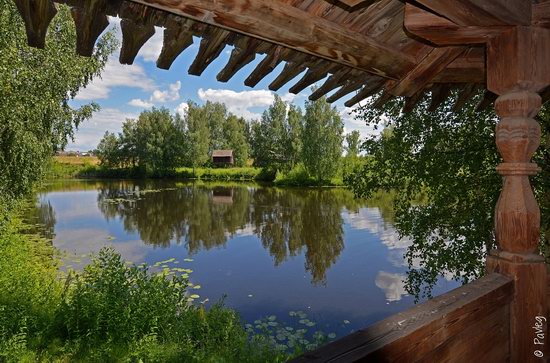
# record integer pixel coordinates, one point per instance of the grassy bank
(117, 312)
(71, 167)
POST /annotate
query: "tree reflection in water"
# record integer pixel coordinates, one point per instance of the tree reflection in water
(288, 222)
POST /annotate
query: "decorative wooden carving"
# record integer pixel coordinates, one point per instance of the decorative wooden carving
(91, 20)
(267, 65)
(516, 73)
(350, 86)
(178, 36)
(371, 87)
(292, 68)
(211, 46)
(37, 15)
(244, 52)
(332, 82)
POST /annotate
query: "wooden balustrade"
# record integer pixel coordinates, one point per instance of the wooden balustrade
(470, 323)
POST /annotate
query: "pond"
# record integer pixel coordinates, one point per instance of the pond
(264, 250)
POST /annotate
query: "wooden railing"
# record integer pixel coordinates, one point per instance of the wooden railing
(468, 324)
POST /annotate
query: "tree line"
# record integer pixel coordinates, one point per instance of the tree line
(284, 137)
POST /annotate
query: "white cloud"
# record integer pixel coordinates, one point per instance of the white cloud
(171, 94)
(116, 75)
(90, 132)
(136, 102)
(392, 284)
(182, 108)
(241, 103)
(351, 122)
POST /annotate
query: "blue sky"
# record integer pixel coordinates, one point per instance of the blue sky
(125, 91)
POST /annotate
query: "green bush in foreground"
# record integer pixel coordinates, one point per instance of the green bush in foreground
(116, 312)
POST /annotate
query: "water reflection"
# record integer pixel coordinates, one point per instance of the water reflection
(288, 222)
(249, 242)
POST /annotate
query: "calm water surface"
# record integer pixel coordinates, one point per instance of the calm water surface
(269, 250)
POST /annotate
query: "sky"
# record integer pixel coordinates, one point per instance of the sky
(125, 91)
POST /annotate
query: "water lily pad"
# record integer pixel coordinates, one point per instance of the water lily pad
(194, 296)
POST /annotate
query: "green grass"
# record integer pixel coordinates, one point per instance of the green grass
(241, 174)
(299, 177)
(113, 311)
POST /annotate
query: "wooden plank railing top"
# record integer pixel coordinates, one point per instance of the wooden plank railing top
(418, 332)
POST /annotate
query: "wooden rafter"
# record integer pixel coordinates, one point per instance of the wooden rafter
(482, 12)
(91, 20)
(178, 36)
(284, 24)
(425, 71)
(211, 46)
(37, 15)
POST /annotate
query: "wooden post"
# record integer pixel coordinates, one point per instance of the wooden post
(517, 68)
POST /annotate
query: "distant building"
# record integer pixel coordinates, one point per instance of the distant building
(222, 157)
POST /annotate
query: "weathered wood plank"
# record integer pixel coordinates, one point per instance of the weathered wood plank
(315, 72)
(333, 82)
(487, 101)
(482, 12)
(266, 66)
(411, 102)
(284, 24)
(37, 15)
(425, 71)
(211, 46)
(431, 327)
(90, 20)
(178, 36)
(138, 26)
(244, 52)
(465, 95)
(439, 93)
(350, 86)
(371, 87)
(541, 14)
(292, 68)
(441, 31)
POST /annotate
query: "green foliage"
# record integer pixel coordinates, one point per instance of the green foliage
(451, 156)
(240, 174)
(276, 138)
(299, 177)
(198, 134)
(153, 144)
(36, 87)
(353, 143)
(111, 311)
(322, 148)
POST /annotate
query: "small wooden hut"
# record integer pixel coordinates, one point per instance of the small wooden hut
(389, 48)
(222, 157)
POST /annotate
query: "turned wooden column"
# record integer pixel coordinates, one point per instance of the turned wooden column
(517, 68)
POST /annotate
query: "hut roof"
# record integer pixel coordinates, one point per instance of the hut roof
(222, 153)
(360, 47)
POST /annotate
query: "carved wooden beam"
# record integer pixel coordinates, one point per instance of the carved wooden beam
(439, 92)
(482, 12)
(37, 15)
(292, 68)
(425, 71)
(541, 14)
(178, 36)
(411, 102)
(350, 86)
(244, 52)
(211, 46)
(334, 81)
(316, 72)
(138, 26)
(371, 87)
(282, 23)
(465, 95)
(91, 20)
(441, 31)
(267, 65)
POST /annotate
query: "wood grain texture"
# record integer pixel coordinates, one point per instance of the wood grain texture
(281, 23)
(482, 12)
(37, 15)
(90, 21)
(437, 328)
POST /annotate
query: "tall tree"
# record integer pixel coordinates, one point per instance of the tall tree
(216, 114)
(198, 135)
(108, 150)
(353, 143)
(159, 144)
(36, 87)
(322, 139)
(295, 134)
(234, 135)
(271, 137)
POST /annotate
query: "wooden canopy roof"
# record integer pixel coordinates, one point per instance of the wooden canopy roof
(403, 48)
